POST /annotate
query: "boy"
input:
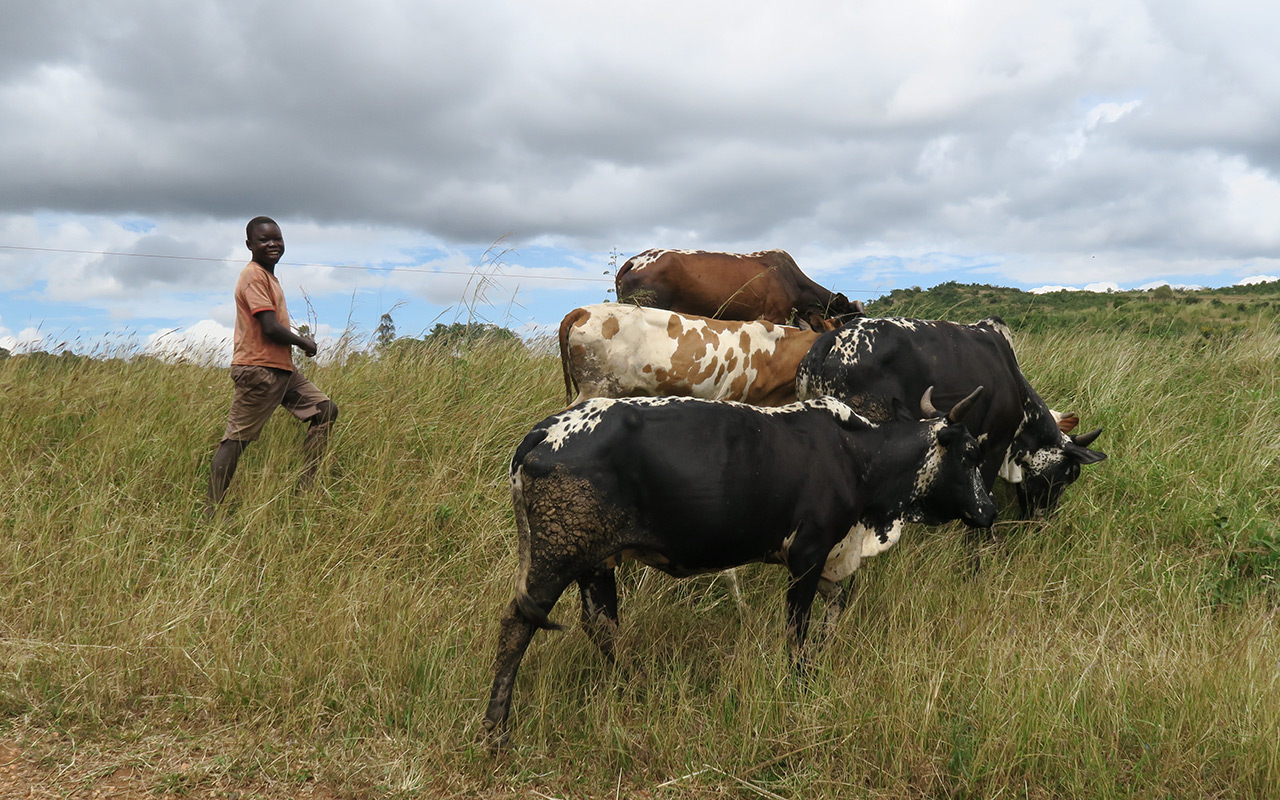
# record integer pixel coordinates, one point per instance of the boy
(262, 365)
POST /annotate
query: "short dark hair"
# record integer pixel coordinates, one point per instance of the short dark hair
(255, 222)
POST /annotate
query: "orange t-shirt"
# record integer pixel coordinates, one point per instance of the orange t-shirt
(258, 290)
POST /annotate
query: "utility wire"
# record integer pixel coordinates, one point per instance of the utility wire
(422, 270)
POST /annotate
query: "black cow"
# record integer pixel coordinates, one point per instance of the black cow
(871, 361)
(693, 486)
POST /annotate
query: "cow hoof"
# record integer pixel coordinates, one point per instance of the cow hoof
(496, 739)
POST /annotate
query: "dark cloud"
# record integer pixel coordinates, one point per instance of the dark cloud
(835, 126)
(169, 263)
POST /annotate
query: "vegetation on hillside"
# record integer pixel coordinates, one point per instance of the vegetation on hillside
(339, 640)
(1164, 312)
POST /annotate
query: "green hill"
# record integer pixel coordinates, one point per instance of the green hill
(1162, 312)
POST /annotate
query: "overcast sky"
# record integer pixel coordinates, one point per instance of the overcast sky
(401, 145)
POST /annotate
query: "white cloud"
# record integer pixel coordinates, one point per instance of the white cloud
(1256, 279)
(206, 342)
(24, 341)
(1182, 287)
(1102, 287)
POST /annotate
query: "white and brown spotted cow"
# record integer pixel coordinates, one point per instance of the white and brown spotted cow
(622, 350)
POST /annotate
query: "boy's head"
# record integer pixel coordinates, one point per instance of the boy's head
(264, 240)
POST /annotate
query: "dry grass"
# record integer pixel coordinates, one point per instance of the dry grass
(342, 638)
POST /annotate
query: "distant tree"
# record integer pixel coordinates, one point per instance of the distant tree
(304, 329)
(385, 333)
(4, 353)
(466, 334)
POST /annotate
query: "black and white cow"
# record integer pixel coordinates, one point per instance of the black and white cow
(692, 486)
(870, 362)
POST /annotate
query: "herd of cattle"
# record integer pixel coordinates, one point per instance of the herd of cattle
(729, 410)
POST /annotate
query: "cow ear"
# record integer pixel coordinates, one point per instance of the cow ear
(948, 435)
(1077, 449)
(1066, 422)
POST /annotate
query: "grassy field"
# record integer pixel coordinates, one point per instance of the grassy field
(338, 642)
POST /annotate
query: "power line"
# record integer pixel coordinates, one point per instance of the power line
(421, 270)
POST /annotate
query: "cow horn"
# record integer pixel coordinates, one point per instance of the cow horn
(1086, 439)
(960, 409)
(926, 404)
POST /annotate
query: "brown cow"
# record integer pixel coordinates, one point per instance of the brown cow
(621, 350)
(753, 286)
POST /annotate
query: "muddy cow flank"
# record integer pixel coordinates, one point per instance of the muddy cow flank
(693, 486)
(621, 350)
(739, 286)
(871, 361)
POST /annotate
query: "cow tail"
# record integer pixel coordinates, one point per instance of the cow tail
(526, 606)
(533, 613)
(570, 385)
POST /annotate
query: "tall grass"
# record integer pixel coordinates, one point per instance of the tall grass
(1126, 647)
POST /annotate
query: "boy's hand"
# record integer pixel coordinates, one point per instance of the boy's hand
(308, 346)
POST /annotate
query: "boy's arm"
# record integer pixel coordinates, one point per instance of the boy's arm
(273, 330)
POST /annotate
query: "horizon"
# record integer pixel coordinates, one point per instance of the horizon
(883, 145)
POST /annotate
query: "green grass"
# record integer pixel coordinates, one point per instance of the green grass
(1127, 647)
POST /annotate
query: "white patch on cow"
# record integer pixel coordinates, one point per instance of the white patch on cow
(837, 408)
(581, 419)
(844, 558)
(1009, 470)
(906, 323)
(928, 472)
(828, 405)
(998, 327)
(860, 542)
(657, 253)
(876, 542)
(645, 259)
(649, 257)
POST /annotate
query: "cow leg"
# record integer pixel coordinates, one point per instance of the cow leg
(804, 585)
(513, 639)
(522, 617)
(836, 596)
(599, 592)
